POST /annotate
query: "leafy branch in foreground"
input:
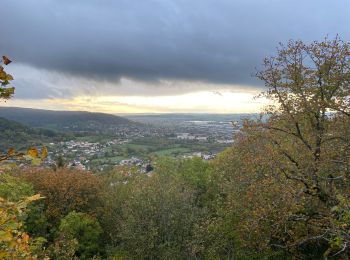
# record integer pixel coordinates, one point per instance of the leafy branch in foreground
(6, 91)
(14, 242)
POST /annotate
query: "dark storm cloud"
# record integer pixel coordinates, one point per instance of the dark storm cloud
(218, 41)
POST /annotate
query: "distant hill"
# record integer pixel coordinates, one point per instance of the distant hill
(63, 120)
(14, 134)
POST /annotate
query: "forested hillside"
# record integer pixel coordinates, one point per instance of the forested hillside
(19, 136)
(73, 120)
(281, 191)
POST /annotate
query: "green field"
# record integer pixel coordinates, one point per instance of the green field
(172, 151)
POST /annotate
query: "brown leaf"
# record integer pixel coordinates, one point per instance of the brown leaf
(6, 60)
(11, 151)
(44, 152)
(2, 75)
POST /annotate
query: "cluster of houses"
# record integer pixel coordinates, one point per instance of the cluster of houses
(84, 155)
(188, 136)
(201, 155)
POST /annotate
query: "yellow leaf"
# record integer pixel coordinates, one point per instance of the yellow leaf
(34, 198)
(36, 161)
(9, 77)
(2, 75)
(6, 236)
(44, 152)
(3, 254)
(32, 152)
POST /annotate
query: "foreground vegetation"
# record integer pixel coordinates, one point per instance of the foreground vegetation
(280, 192)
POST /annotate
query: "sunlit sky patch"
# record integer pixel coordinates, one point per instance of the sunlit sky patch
(196, 102)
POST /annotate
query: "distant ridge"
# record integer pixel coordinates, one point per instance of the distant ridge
(78, 120)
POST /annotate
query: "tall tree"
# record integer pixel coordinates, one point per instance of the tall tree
(307, 133)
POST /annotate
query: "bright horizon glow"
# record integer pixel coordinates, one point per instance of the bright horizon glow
(45, 89)
(196, 102)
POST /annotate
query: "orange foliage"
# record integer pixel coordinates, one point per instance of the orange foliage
(66, 190)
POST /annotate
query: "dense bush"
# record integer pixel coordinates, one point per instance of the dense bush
(85, 230)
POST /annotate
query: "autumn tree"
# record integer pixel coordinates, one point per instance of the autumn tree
(251, 204)
(307, 135)
(66, 190)
(153, 217)
(282, 190)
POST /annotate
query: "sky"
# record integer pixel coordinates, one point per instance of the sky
(153, 56)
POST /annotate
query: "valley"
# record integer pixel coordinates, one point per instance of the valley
(97, 141)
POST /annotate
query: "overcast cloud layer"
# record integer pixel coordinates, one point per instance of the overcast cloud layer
(152, 41)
